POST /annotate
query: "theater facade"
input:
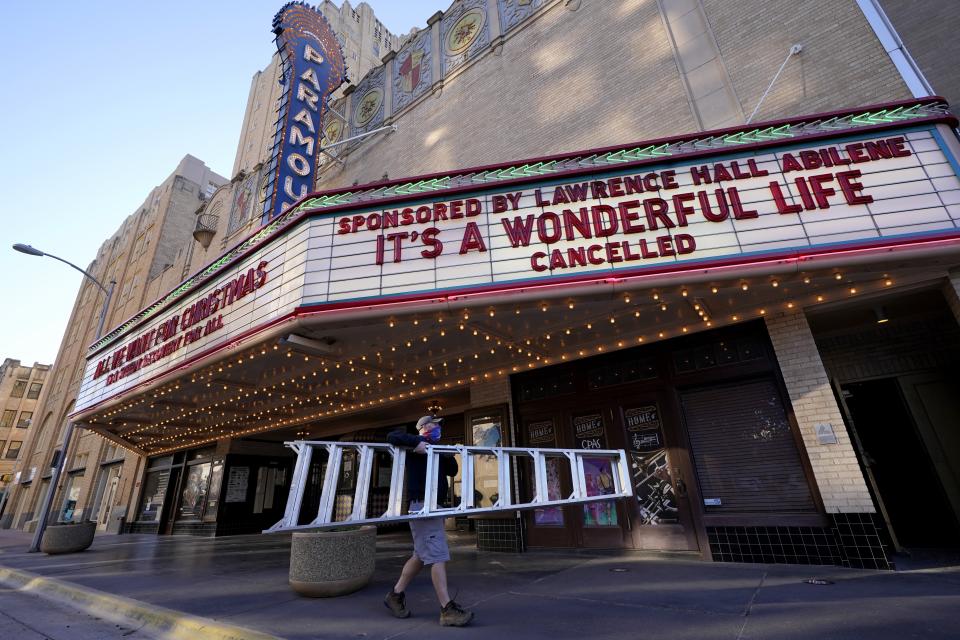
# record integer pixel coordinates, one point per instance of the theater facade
(763, 317)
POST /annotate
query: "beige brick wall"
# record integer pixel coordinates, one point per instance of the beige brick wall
(930, 37)
(842, 63)
(600, 75)
(835, 467)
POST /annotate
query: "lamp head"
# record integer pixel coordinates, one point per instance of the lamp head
(27, 249)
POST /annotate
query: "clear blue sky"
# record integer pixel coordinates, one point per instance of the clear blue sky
(100, 101)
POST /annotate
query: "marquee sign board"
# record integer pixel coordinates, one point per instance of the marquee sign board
(741, 206)
(313, 68)
(861, 190)
(264, 286)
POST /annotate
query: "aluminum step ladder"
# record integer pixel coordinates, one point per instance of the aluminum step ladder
(619, 481)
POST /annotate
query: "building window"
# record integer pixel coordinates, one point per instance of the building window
(7, 419)
(2, 444)
(18, 388)
(14, 449)
(24, 421)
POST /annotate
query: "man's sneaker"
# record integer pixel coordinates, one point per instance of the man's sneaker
(453, 615)
(397, 603)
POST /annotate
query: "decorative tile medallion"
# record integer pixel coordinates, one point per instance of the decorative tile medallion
(413, 71)
(513, 12)
(464, 33)
(368, 103)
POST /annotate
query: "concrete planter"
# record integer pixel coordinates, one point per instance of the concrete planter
(68, 538)
(325, 564)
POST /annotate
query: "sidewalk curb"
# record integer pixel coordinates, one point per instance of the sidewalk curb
(166, 623)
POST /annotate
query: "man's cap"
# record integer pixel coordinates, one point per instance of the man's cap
(425, 420)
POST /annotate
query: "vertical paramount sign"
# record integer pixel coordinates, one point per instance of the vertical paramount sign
(312, 68)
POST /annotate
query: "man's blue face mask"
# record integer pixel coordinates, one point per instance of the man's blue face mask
(431, 431)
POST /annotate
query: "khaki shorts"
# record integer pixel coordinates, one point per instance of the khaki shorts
(429, 538)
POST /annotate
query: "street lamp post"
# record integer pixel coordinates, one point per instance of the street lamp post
(68, 434)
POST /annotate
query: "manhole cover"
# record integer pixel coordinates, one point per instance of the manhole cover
(818, 581)
(619, 570)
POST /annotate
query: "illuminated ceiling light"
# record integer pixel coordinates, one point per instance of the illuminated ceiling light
(775, 283)
(684, 293)
(626, 299)
(744, 286)
(881, 314)
(853, 290)
(888, 283)
(663, 306)
(819, 298)
(806, 280)
(714, 290)
(656, 296)
(838, 276)
(492, 313)
(570, 305)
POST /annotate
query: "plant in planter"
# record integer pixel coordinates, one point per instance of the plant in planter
(331, 563)
(68, 537)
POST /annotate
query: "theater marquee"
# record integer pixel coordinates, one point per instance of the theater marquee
(746, 205)
(360, 249)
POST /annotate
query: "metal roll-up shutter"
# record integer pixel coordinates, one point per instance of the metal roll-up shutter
(743, 450)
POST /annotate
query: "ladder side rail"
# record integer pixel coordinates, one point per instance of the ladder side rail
(328, 494)
(446, 512)
(297, 485)
(361, 494)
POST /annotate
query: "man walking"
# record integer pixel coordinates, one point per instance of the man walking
(429, 537)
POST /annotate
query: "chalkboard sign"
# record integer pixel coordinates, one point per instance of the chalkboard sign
(541, 432)
(589, 431)
(648, 440)
(642, 418)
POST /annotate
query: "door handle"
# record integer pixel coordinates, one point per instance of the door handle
(681, 486)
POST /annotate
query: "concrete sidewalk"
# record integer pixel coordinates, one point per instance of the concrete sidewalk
(540, 594)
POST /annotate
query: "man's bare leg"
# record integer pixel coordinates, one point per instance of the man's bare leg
(438, 573)
(410, 570)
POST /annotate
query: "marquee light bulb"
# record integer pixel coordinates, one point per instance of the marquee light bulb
(744, 286)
